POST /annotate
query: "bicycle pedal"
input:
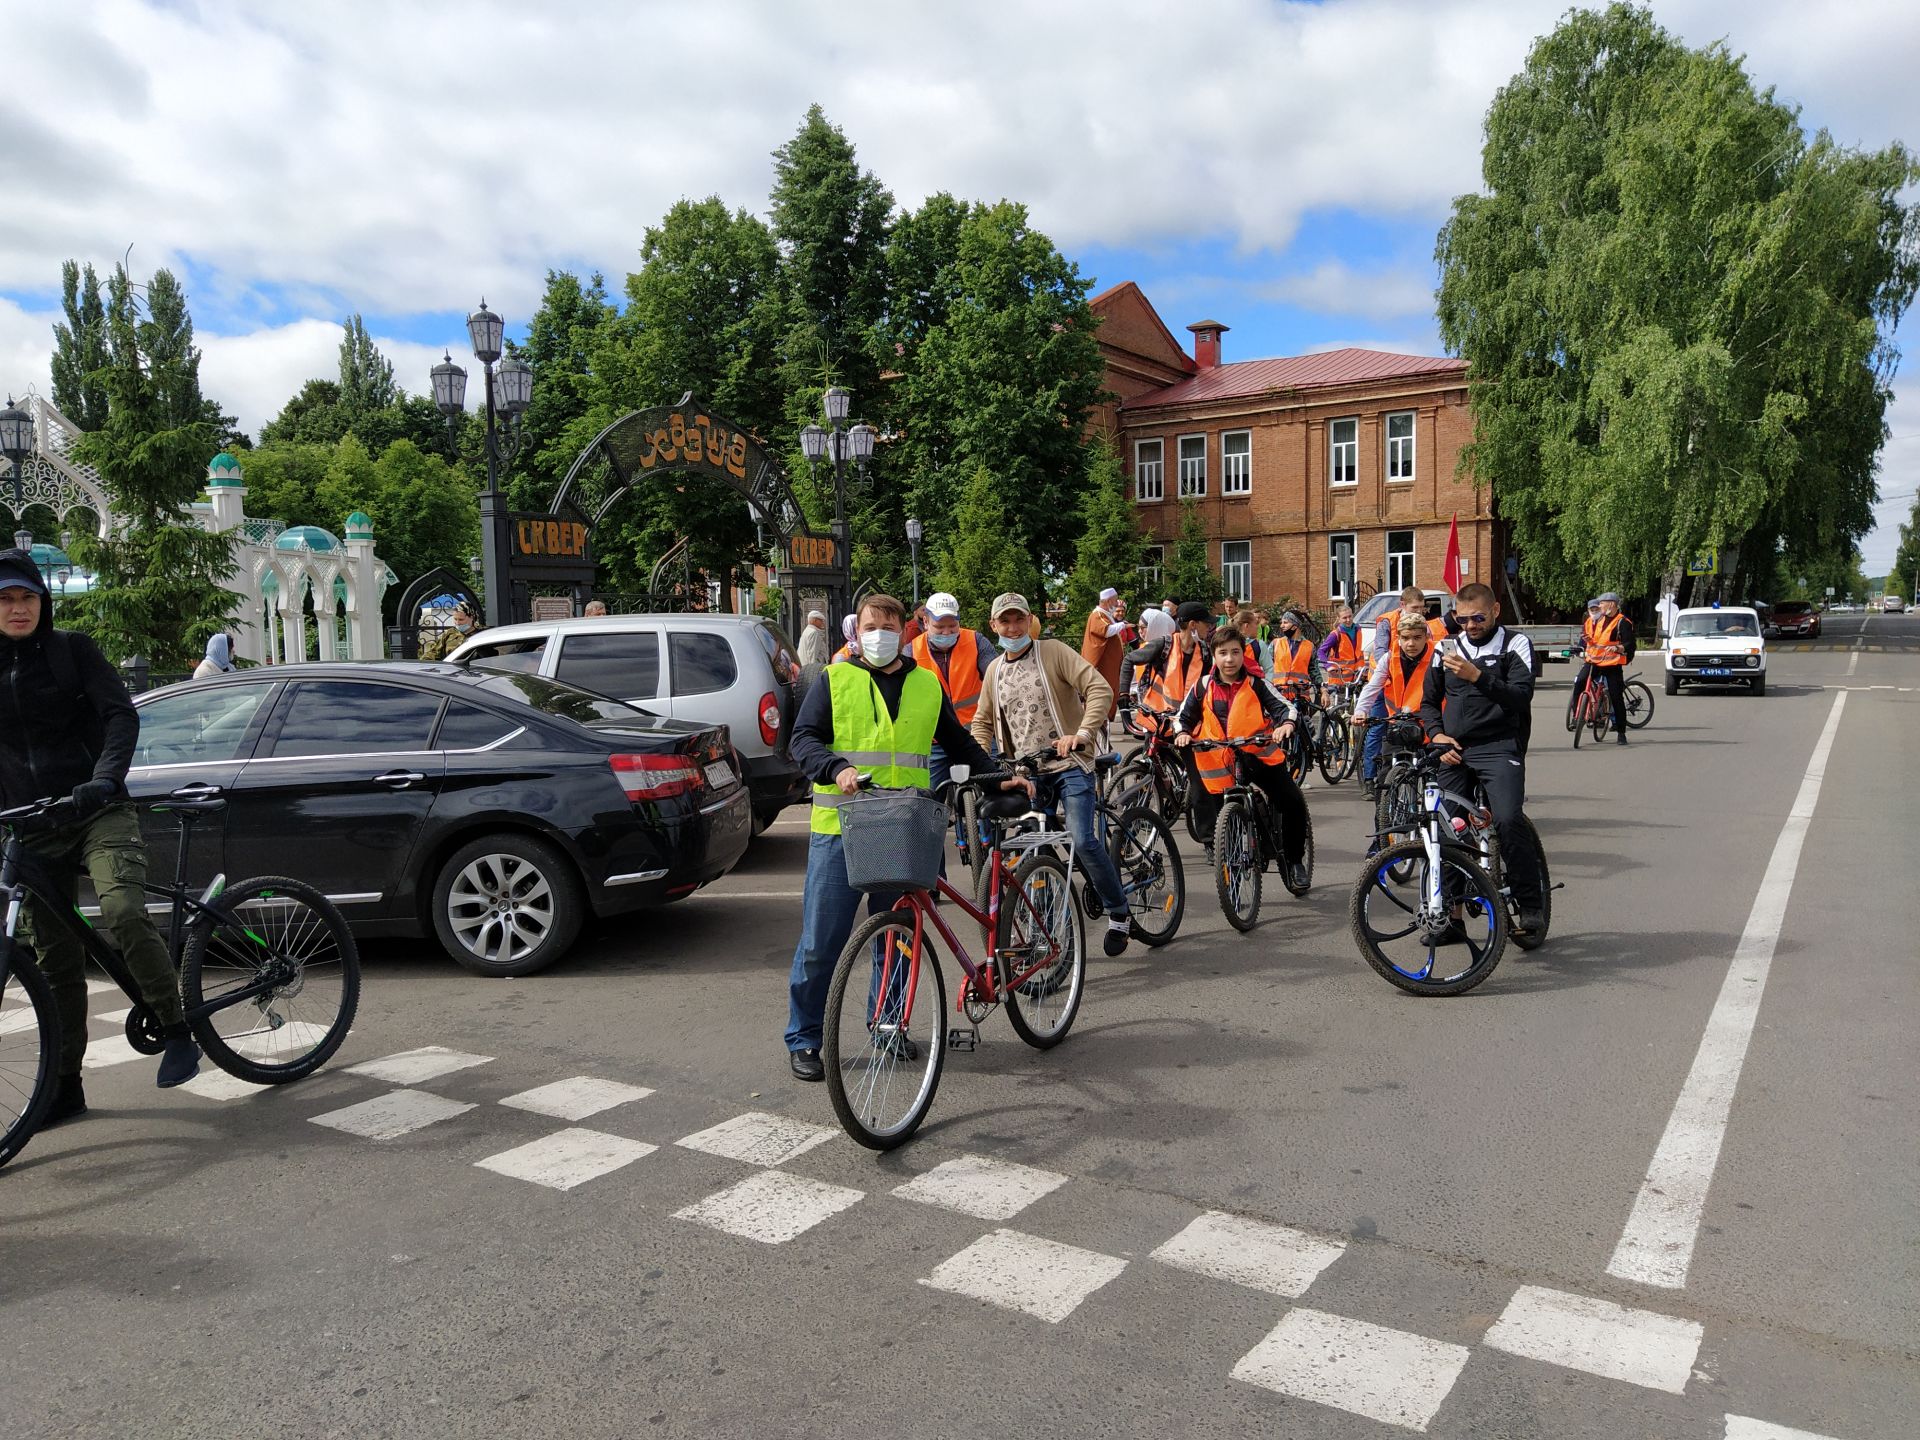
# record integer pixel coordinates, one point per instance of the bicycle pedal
(963, 1039)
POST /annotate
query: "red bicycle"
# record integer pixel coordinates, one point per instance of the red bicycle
(1588, 708)
(885, 1038)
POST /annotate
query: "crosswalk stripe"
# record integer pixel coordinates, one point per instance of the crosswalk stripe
(414, 1067)
(112, 1050)
(216, 1084)
(386, 1117)
(1037, 1277)
(1392, 1376)
(772, 1206)
(576, 1098)
(1739, 1427)
(1256, 1253)
(1599, 1337)
(566, 1158)
(985, 1189)
(757, 1138)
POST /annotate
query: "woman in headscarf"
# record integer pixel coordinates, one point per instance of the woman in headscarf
(219, 658)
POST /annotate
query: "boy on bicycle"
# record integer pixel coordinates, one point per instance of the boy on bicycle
(1229, 703)
(68, 728)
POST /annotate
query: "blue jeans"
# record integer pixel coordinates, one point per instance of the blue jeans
(1376, 739)
(1077, 796)
(827, 913)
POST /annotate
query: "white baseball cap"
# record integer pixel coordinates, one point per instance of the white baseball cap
(942, 606)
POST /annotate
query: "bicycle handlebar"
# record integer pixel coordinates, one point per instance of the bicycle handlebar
(39, 809)
(1235, 742)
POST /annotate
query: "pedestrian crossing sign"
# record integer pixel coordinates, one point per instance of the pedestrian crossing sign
(1707, 562)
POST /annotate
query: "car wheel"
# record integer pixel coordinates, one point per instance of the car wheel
(506, 905)
(1759, 685)
(1673, 686)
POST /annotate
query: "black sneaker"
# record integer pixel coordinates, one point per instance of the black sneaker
(1297, 877)
(69, 1102)
(179, 1062)
(1621, 738)
(1118, 933)
(806, 1065)
(897, 1043)
(1454, 934)
(1530, 922)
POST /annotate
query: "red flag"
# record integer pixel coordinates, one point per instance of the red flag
(1450, 572)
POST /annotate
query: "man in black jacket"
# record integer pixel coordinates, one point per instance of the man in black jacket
(1478, 703)
(68, 728)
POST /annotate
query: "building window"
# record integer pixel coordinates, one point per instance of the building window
(1399, 559)
(1236, 462)
(1236, 568)
(1193, 465)
(1343, 461)
(1152, 557)
(1148, 470)
(1400, 445)
(1340, 553)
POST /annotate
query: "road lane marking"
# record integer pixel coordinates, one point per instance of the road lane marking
(1599, 1337)
(212, 1084)
(748, 894)
(566, 1158)
(1042, 1278)
(577, 1098)
(411, 1067)
(113, 1050)
(1657, 1246)
(1388, 1375)
(985, 1189)
(385, 1117)
(771, 1207)
(757, 1138)
(1257, 1253)
(1740, 1427)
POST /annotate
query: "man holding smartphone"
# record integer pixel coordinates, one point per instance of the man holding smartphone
(1478, 703)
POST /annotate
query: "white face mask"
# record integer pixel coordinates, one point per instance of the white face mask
(880, 647)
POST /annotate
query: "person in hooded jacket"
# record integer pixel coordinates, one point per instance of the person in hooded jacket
(67, 728)
(219, 657)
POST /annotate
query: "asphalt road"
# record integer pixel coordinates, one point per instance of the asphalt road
(1266, 1193)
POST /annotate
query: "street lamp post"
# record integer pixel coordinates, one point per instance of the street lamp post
(16, 443)
(841, 444)
(915, 533)
(509, 385)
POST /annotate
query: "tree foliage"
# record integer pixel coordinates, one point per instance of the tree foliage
(1110, 546)
(80, 349)
(1906, 560)
(1189, 572)
(1675, 305)
(988, 554)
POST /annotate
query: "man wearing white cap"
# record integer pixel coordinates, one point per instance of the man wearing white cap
(959, 657)
(814, 649)
(1106, 638)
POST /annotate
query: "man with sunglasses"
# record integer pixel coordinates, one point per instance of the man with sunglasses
(1478, 704)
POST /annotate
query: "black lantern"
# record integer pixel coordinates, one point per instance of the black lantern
(485, 329)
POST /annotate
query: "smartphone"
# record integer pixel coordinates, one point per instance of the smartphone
(1449, 646)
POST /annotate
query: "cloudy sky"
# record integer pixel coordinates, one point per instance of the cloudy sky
(1281, 167)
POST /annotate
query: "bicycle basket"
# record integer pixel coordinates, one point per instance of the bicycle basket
(893, 840)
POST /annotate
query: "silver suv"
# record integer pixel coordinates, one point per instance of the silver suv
(732, 670)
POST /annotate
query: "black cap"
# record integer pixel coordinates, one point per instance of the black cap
(1191, 610)
(17, 569)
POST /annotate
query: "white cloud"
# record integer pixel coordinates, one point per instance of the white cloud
(252, 375)
(1336, 288)
(1899, 475)
(26, 349)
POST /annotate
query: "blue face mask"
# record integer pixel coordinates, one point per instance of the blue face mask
(1013, 646)
(943, 642)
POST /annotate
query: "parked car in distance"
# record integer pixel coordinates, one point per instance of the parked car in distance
(1893, 605)
(1721, 646)
(495, 812)
(1367, 617)
(1799, 618)
(732, 670)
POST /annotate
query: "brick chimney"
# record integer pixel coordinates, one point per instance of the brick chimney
(1206, 342)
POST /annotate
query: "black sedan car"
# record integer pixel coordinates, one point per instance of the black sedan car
(494, 811)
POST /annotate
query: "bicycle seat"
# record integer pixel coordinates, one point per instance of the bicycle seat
(1107, 760)
(1007, 805)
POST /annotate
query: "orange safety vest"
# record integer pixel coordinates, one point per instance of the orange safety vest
(1344, 667)
(1250, 654)
(845, 652)
(960, 677)
(1598, 632)
(1437, 628)
(1166, 688)
(1292, 662)
(1244, 718)
(1404, 692)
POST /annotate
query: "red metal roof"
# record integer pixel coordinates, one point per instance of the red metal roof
(1294, 372)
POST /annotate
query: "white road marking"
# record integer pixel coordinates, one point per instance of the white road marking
(396, 1113)
(757, 1138)
(566, 1158)
(577, 1098)
(1256, 1253)
(749, 894)
(1739, 1427)
(986, 1189)
(411, 1067)
(1387, 1375)
(1657, 1246)
(20, 1018)
(1599, 1337)
(213, 1083)
(113, 1017)
(1042, 1278)
(771, 1207)
(113, 1050)
(103, 987)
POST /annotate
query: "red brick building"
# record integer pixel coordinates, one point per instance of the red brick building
(1316, 475)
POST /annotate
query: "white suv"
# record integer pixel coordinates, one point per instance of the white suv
(732, 670)
(1722, 646)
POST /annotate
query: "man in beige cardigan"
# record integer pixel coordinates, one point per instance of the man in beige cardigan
(1040, 694)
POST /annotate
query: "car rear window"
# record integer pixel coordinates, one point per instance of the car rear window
(520, 656)
(551, 697)
(347, 717)
(786, 664)
(200, 726)
(625, 665)
(468, 727)
(702, 663)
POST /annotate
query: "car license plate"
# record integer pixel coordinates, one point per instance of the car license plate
(1721, 671)
(719, 774)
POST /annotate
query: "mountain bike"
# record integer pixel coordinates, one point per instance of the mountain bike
(268, 970)
(1444, 886)
(885, 1038)
(1330, 734)
(1156, 774)
(1588, 705)
(1141, 846)
(1246, 840)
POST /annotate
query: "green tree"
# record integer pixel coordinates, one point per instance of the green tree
(80, 349)
(366, 375)
(314, 416)
(1189, 573)
(1674, 304)
(988, 554)
(283, 483)
(1906, 560)
(160, 586)
(564, 339)
(1110, 546)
